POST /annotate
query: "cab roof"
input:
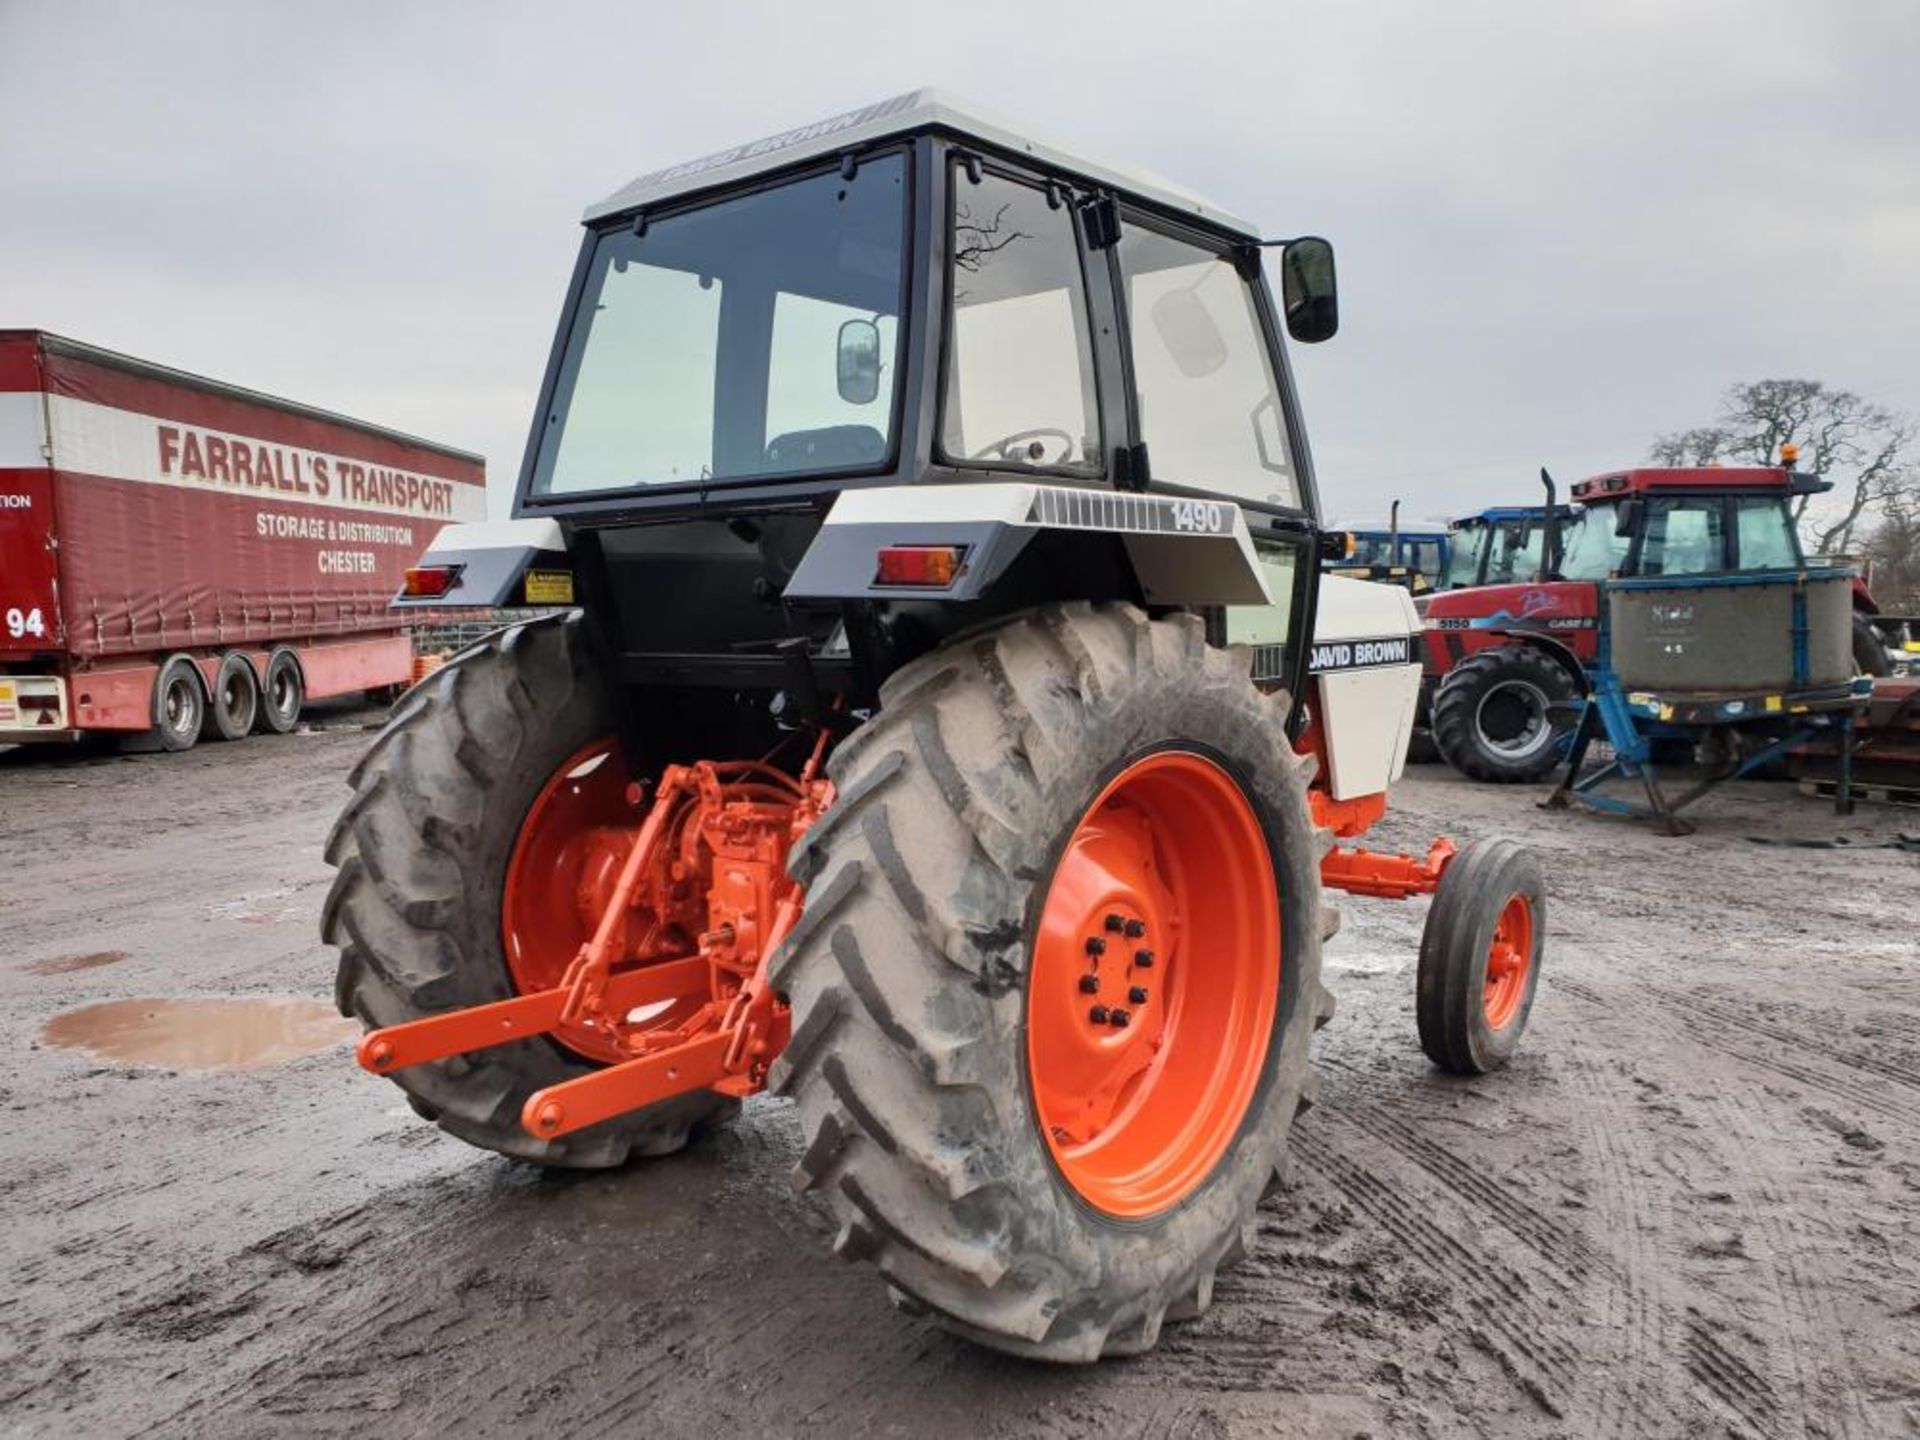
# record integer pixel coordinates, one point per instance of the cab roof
(1695, 477)
(1501, 515)
(916, 112)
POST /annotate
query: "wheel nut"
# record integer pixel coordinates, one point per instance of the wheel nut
(1098, 1015)
(1121, 1019)
(1144, 959)
(1089, 984)
(1136, 928)
(1096, 946)
(1115, 923)
(1138, 994)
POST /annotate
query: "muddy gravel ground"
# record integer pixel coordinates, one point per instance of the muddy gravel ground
(1689, 1208)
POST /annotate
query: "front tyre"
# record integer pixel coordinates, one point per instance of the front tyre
(1056, 979)
(1495, 715)
(1480, 957)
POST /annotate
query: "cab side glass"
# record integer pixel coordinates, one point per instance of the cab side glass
(1019, 388)
(1308, 291)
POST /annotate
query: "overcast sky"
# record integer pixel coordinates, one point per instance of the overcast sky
(1561, 228)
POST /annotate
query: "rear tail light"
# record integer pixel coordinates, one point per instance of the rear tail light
(429, 582)
(931, 567)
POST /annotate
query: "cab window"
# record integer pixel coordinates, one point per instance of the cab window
(1516, 553)
(1764, 532)
(1591, 546)
(1685, 536)
(1019, 385)
(1209, 404)
(1463, 564)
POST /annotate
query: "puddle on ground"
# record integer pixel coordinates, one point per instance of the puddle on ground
(202, 1034)
(72, 964)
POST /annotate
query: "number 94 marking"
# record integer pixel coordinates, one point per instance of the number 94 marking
(1200, 517)
(22, 623)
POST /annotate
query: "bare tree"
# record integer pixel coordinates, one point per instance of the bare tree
(1860, 446)
(1892, 554)
(975, 241)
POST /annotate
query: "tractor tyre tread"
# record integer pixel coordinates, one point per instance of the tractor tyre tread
(907, 978)
(420, 854)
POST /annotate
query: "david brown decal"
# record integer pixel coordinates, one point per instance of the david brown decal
(1361, 654)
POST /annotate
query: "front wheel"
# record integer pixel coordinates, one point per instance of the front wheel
(1056, 979)
(1496, 714)
(1480, 957)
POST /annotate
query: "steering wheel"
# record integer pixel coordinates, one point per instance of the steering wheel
(1002, 449)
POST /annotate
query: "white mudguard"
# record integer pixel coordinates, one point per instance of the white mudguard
(1365, 664)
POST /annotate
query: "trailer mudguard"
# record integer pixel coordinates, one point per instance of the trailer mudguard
(1183, 552)
(496, 562)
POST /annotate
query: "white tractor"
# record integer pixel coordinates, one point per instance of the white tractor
(951, 730)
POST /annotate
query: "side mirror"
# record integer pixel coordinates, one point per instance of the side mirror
(1187, 330)
(1308, 293)
(1626, 517)
(857, 362)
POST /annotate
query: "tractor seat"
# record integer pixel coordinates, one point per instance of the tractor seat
(831, 447)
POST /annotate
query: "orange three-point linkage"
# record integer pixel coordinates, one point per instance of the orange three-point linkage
(720, 830)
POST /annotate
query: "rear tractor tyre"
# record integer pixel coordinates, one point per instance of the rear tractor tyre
(1493, 715)
(1480, 957)
(422, 853)
(235, 702)
(1057, 977)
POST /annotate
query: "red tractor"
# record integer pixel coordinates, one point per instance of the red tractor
(1504, 662)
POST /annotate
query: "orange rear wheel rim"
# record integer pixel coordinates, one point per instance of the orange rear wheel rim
(1509, 958)
(1154, 983)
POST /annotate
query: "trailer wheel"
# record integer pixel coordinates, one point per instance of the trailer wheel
(179, 705)
(1057, 976)
(1493, 714)
(1480, 957)
(464, 768)
(235, 703)
(282, 694)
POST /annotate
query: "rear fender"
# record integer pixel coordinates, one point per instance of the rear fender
(1182, 552)
(1548, 645)
(498, 562)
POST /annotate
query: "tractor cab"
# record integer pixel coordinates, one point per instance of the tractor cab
(1497, 546)
(817, 402)
(1700, 521)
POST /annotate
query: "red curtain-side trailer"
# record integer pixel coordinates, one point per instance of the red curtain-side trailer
(180, 555)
